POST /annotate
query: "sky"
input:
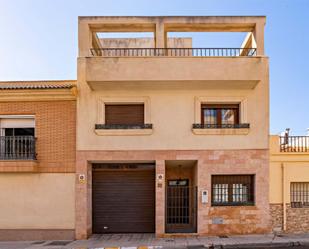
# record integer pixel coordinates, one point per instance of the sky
(38, 41)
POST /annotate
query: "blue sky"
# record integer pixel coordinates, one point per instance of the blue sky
(38, 40)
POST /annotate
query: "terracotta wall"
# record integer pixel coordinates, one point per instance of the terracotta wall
(236, 220)
(55, 130)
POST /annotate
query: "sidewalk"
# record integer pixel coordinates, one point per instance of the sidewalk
(148, 241)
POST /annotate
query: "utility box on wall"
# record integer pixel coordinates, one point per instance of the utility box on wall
(204, 196)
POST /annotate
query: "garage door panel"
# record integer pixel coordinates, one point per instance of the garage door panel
(123, 201)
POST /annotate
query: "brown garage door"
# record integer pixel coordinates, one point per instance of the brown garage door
(123, 199)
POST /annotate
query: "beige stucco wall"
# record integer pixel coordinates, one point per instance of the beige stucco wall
(172, 85)
(37, 201)
(172, 113)
(285, 167)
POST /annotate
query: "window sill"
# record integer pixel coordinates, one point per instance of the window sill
(123, 132)
(221, 131)
(249, 204)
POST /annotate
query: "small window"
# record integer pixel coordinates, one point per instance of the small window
(220, 115)
(124, 114)
(229, 190)
(299, 194)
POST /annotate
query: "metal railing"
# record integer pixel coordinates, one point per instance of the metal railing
(122, 126)
(220, 126)
(177, 52)
(294, 143)
(17, 148)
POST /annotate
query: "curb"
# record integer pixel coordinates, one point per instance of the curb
(259, 245)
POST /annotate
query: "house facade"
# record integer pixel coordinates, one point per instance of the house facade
(289, 183)
(154, 136)
(171, 140)
(37, 160)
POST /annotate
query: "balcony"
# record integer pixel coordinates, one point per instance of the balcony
(121, 52)
(294, 144)
(17, 148)
(233, 68)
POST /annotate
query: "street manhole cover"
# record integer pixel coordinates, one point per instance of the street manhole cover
(38, 242)
(59, 243)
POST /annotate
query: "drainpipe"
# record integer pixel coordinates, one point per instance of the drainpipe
(283, 196)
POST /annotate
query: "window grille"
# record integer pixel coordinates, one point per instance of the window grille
(229, 190)
(299, 194)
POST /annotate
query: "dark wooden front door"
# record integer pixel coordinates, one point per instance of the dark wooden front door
(180, 207)
(123, 200)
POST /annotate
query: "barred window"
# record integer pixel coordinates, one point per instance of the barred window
(299, 194)
(229, 190)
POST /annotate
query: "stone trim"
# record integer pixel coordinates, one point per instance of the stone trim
(122, 100)
(228, 131)
(123, 132)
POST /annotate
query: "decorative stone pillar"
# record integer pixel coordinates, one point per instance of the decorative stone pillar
(160, 198)
(83, 226)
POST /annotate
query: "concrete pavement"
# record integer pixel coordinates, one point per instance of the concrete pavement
(148, 241)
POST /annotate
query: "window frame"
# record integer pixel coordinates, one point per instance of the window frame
(219, 108)
(230, 194)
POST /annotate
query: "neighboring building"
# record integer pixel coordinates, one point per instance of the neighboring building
(37, 159)
(170, 139)
(160, 126)
(289, 183)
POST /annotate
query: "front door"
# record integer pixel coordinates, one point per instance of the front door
(180, 207)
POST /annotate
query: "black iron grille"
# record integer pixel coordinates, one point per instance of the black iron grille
(232, 190)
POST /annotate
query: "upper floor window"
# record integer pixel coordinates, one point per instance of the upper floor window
(230, 190)
(220, 114)
(299, 194)
(124, 114)
(17, 141)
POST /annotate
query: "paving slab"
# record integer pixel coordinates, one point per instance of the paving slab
(149, 241)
